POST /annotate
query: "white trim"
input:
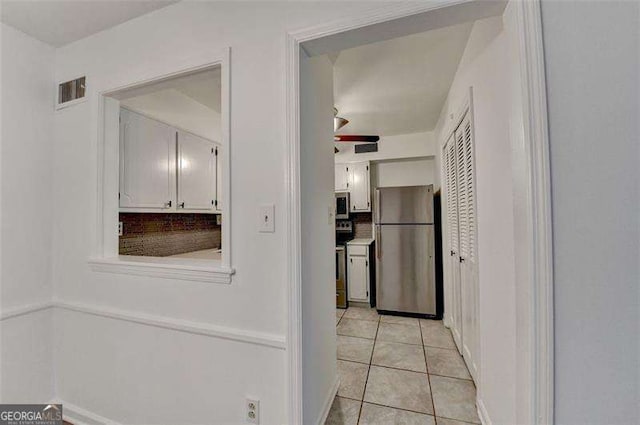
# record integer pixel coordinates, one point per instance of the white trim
(536, 142)
(180, 325)
(24, 310)
(536, 136)
(80, 416)
(187, 326)
(102, 260)
(165, 269)
(328, 401)
(482, 412)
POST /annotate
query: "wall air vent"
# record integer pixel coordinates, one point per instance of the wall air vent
(71, 92)
(366, 147)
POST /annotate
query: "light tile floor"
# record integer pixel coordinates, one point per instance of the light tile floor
(399, 371)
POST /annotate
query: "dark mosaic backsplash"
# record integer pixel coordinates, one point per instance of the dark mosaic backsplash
(362, 225)
(160, 235)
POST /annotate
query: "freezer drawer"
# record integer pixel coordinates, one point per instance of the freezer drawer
(405, 278)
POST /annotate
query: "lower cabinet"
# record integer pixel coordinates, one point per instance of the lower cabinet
(360, 273)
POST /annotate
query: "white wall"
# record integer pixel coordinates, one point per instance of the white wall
(404, 172)
(256, 299)
(177, 109)
(25, 225)
(410, 145)
(318, 237)
(592, 54)
(484, 66)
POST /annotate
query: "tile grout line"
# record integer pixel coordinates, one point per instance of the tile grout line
(426, 363)
(366, 381)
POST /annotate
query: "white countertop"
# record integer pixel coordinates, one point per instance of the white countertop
(205, 254)
(361, 241)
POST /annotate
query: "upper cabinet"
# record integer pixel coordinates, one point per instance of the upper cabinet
(167, 169)
(342, 177)
(354, 178)
(360, 187)
(147, 163)
(196, 173)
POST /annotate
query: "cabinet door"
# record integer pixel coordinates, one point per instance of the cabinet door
(359, 187)
(358, 278)
(147, 162)
(342, 177)
(219, 195)
(196, 173)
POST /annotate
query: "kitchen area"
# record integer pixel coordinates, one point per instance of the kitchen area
(170, 170)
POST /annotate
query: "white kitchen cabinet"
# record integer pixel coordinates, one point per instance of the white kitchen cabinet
(196, 173)
(359, 270)
(359, 187)
(147, 163)
(166, 169)
(342, 177)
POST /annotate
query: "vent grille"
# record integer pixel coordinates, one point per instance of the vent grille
(366, 147)
(70, 91)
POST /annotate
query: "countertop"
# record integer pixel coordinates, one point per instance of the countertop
(205, 254)
(361, 241)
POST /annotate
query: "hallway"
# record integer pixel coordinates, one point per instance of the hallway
(399, 370)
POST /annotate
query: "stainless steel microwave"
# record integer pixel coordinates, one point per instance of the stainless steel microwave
(342, 206)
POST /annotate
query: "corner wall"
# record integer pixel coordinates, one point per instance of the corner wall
(485, 67)
(26, 365)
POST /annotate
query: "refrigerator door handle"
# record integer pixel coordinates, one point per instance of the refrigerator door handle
(378, 242)
(377, 214)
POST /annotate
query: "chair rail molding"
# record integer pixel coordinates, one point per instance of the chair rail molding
(539, 374)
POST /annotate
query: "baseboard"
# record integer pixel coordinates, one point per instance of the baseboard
(482, 412)
(329, 401)
(79, 416)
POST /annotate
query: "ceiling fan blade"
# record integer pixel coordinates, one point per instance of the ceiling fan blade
(355, 138)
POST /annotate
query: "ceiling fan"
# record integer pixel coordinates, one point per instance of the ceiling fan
(339, 122)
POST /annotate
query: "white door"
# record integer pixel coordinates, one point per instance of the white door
(359, 187)
(452, 260)
(196, 173)
(342, 178)
(358, 278)
(468, 241)
(219, 195)
(147, 162)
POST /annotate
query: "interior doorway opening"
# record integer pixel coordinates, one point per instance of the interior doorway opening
(476, 98)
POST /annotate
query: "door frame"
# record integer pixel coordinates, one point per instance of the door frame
(536, 366)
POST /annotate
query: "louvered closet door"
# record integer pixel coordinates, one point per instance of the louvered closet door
(468, 243)
(452, 262)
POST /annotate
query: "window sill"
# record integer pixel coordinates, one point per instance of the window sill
(210, 271)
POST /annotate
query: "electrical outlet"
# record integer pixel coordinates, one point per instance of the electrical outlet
(266, 216)
(253, 411)
(120, 228)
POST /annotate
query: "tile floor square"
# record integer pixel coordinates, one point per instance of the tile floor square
(373, 414)
(359, 328)
(454, 398)
(361, 313)
(399, 356)
(399, 388)
(344, 411)
(355, 349)
(353, 377)
(434, 334)
(445, 362)
(392, 332)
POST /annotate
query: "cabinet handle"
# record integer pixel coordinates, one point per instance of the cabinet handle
(167, 204)
(181, 205)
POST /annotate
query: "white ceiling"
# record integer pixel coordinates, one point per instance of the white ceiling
(59, 22)
(398, 86)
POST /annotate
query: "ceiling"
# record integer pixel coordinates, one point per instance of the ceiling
(397, 86)
(57, 22)
(204, 87)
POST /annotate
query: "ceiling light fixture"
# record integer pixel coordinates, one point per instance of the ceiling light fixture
(338, 122)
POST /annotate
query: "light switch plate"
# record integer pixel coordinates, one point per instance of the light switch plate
(266, 218)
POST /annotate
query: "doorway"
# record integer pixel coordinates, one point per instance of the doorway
(308, 400)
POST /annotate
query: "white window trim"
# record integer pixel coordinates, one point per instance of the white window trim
(104, 257)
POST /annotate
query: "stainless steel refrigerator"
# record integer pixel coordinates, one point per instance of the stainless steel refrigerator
(405, 266)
